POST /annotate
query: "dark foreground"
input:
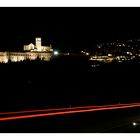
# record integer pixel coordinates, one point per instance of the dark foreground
(66, 82)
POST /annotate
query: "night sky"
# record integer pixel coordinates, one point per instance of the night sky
(66, 28)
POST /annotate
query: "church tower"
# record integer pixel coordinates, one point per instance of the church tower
(38, 43)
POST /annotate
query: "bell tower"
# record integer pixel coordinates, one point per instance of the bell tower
(38, 43)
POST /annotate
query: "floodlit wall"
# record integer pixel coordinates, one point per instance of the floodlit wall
(21, 56)
(3, 57)
(29, 47)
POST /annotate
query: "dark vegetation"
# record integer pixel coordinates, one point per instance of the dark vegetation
(66, 81)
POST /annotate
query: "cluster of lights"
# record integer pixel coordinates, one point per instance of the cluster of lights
(107, 58)
(129, 53)
(86, 53)
(110, 58)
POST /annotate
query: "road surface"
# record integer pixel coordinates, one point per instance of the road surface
(104, 118)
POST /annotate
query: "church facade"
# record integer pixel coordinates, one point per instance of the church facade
(30, 52)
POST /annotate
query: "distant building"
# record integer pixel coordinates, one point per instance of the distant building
(37, 47)
(31, 52)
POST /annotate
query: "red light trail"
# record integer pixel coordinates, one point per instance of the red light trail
(63, 111)
(57, 109)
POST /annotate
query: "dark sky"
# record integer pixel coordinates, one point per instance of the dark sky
(67, 27)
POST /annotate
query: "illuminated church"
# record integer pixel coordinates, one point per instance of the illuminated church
(31, 52)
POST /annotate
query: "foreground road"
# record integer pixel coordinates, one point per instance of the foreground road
(61, 111)
(89, 119)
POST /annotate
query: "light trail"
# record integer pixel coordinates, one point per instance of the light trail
(61, 109)
(68, 112)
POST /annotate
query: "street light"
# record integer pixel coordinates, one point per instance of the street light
(55, 53)
(134, 123)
